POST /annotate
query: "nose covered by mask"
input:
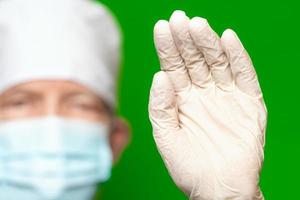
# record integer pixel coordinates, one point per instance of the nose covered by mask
(53, 158)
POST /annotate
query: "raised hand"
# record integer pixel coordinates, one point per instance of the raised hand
(207, 111)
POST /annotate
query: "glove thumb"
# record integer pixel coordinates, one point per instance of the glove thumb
(162, 106)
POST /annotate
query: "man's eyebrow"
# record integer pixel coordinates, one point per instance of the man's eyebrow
(7, 96)
(20, 91)
(72, 93)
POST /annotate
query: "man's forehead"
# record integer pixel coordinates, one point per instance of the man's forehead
(50, 86)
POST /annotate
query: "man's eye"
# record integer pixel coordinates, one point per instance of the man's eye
(17, 103)
(85, 106)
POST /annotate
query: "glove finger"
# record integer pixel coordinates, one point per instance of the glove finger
(193, 58)
(170, 59)
(208, 42)
(162, 105)
(241, 64)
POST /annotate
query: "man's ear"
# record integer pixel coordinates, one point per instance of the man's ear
(119, 137)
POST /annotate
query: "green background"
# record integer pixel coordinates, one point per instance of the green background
(270, 33)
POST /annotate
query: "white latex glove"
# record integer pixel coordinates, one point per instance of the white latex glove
(207, 111)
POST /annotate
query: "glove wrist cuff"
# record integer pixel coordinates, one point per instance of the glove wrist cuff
(257, 196)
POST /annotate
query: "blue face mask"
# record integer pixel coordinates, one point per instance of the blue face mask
(53, 158)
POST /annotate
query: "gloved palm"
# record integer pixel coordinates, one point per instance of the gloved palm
(207, 111)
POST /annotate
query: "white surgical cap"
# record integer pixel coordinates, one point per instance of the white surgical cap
(75, 40)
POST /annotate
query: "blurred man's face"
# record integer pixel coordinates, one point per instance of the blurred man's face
(63, 98)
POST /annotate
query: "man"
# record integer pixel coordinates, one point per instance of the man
(58, 131)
